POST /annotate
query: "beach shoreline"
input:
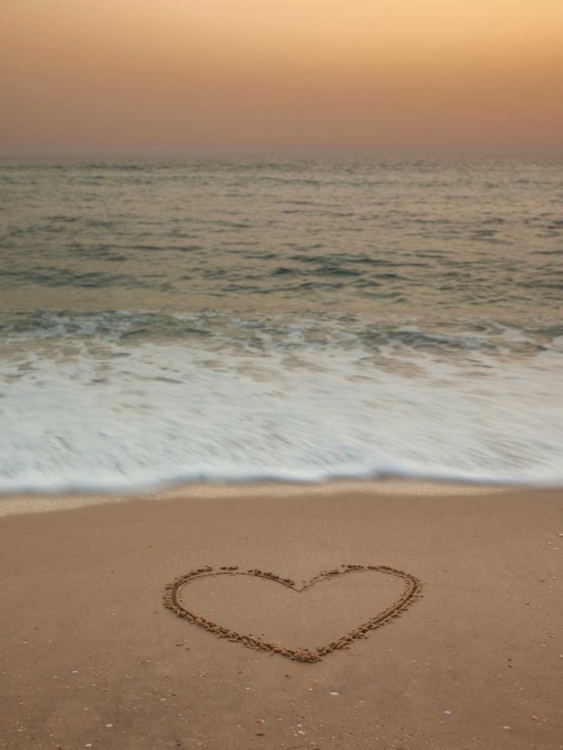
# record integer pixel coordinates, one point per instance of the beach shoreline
(28, 502)
(92, 658)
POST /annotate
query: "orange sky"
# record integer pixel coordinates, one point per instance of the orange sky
(95, 74)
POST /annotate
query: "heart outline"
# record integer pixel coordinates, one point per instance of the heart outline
(411, 593)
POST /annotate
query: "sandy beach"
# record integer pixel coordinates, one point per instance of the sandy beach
(91, 658)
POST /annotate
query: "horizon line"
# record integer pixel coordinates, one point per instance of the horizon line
(100, 151)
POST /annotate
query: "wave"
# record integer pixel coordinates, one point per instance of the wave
(89, 409)
(287, 330)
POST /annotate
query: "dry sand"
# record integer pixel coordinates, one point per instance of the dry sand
(90, 657)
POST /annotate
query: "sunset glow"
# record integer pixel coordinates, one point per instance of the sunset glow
(176, 73)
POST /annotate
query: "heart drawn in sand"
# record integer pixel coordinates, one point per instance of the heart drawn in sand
(411, 592)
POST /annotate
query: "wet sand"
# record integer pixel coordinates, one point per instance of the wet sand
(91, 657)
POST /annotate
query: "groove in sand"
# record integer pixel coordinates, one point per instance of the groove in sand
(412, 592)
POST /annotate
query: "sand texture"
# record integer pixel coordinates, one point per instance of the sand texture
(316, 613)
(290, 620)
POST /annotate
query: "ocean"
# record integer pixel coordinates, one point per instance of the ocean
(235, 320)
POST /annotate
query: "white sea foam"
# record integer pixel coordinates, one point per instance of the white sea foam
(108, 417)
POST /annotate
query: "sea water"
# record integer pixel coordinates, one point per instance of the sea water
(298, 320)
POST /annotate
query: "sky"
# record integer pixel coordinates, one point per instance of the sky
(171, 74)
